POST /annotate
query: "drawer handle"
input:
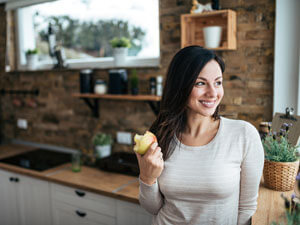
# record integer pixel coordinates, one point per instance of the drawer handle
(14, 179)
(81, 214)
(80, 193)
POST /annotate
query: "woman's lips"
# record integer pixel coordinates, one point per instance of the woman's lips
(208, 104)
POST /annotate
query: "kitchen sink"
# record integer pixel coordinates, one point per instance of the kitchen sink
(120, 162)
(39, 159)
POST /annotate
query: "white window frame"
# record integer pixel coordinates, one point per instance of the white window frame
(93, 63)
(287, 57)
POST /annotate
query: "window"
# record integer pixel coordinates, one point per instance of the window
(84, 28)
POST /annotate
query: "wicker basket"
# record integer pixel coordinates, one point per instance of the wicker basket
(280, 176)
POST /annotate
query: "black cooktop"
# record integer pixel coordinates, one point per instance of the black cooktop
(40, 159)
(120, 162)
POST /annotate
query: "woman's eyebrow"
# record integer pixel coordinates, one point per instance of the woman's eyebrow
(202, 78)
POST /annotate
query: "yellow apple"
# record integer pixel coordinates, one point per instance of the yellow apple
(143, 142)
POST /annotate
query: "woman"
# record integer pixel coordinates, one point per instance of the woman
(205, 169)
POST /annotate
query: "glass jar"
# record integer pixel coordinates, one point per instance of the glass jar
(100, 87)
(76, 162)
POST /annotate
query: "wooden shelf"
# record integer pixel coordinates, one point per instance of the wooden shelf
(120, 97)
(152, 100)
(192, 28)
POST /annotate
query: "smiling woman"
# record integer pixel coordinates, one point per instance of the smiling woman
(85, 30)
(211, 166)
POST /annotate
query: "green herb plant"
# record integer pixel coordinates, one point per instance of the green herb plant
(122, 42)
(278, 149)
(102, 139)
(292, 212)
(32, 51)
(134, 80)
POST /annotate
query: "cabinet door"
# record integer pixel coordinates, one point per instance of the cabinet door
(65, 214)
(9, 210)
(132, 214)
(34, 201)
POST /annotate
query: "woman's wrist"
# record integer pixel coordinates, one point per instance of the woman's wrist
(148, 181)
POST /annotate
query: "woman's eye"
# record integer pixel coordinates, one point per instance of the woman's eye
(219, 83)
(200, 83)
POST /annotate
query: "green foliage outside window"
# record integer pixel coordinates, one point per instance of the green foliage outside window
(92, 37)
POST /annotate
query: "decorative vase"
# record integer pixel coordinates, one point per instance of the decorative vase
(32, 61)
(280, 176)
(120, 55)
(103, 151)
(212, 36)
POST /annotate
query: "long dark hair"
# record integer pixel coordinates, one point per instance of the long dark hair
(180, 80)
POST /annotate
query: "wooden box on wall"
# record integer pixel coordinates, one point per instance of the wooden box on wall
(192, 28)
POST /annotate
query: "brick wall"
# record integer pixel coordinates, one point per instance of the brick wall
(61, 119)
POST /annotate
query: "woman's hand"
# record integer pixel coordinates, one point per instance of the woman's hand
(151, 164)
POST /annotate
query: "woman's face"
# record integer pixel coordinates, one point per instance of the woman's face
(208, 90)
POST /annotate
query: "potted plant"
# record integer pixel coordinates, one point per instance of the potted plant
(32, 58)
(134, 82)
(292, 211)
(120, 50)
(102, 143)
(281, 161)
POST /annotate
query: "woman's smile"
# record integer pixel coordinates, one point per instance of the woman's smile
(208, 104)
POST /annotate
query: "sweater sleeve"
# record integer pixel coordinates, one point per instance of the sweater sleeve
(251, 172)
(150, 197)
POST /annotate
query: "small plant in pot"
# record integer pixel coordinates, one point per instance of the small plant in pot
(102, 143)
(32, 58)
(134, 82)
(281, 160)
(120, 50)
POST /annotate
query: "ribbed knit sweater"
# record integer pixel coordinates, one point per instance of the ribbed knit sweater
(213, 184)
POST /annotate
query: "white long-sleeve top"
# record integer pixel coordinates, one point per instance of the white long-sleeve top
(213, 184)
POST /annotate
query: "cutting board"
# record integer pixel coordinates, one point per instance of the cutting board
(294, 132)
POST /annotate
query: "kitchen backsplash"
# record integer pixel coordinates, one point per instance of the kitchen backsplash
(55, 117)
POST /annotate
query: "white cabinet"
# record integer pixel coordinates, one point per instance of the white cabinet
(29, 201)
(34, 199)
(132, 214)
(9, 210)
(24, 200)
(74, 207)
(77, 207)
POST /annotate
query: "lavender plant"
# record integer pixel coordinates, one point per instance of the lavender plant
(277, 148)
(292, 212)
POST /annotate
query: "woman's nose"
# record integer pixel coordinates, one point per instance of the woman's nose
(211, 91)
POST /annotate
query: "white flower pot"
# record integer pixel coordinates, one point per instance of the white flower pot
(103, 150)
(120, 55)
(32, 61)
(212, 36)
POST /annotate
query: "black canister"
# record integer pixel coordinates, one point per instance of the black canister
(118, 82)
(86, 81)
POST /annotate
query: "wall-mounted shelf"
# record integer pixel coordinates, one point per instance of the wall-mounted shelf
(192, 28)
(152, 100)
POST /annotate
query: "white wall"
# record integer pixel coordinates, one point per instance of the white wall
(287, 52)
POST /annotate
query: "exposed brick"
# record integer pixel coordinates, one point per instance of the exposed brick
(60, 119)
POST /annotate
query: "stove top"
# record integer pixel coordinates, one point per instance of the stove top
(120, 162)
(39, 160)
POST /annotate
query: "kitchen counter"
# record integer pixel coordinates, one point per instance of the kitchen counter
(114, 185)
(270, 204)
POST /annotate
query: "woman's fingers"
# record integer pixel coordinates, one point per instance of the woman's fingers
(151, 149)
(138, 156)
(157, 152)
